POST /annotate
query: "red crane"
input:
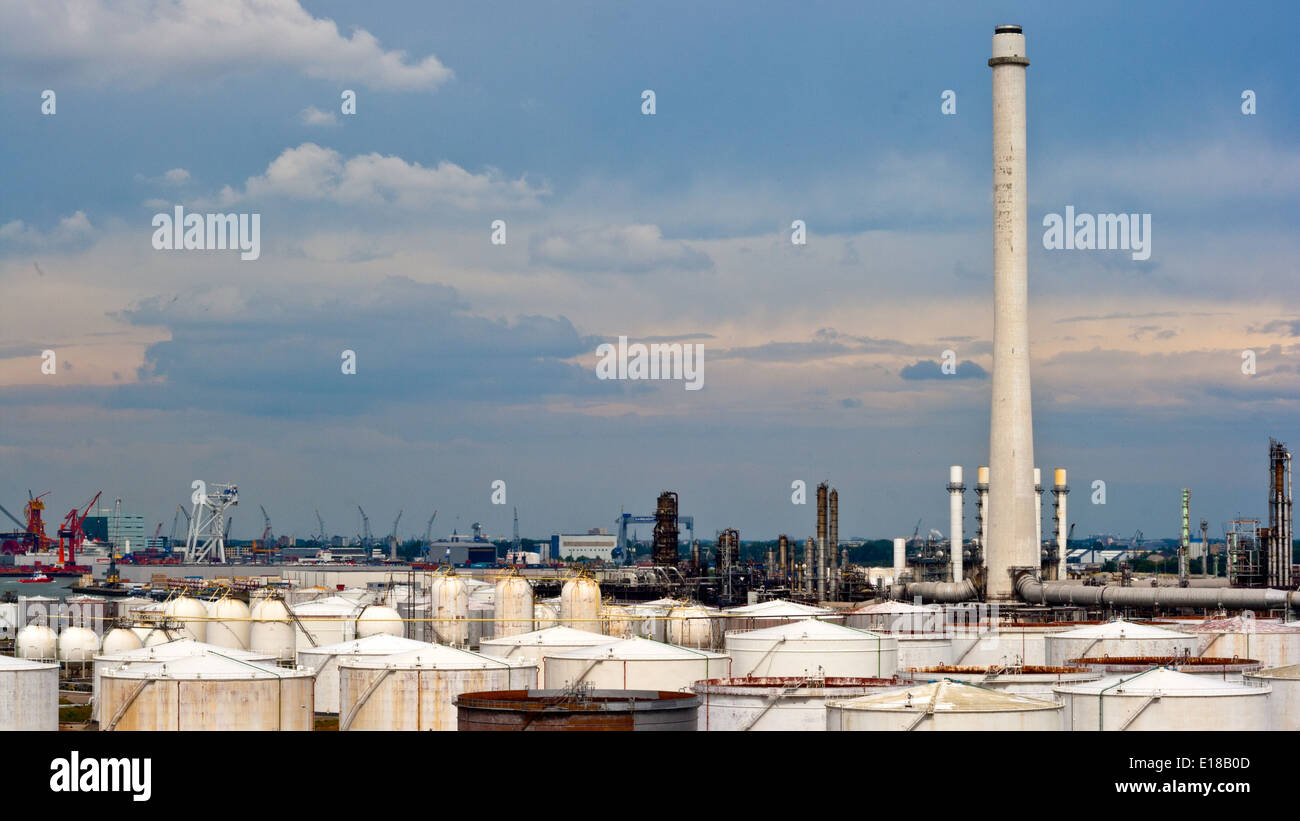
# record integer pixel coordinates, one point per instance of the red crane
(71, 532)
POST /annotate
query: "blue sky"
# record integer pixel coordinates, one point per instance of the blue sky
(476, 362)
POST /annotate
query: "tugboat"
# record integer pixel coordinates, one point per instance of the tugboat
(37, 578)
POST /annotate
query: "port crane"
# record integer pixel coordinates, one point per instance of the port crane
(321, 537)
(365, 535)
(71, 533)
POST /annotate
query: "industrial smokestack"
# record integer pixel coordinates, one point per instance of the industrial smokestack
(1060, 489)
(833, 543)
(900, 560)
(1038, 512)
(809, 550)
(821, 540)
(955, 490)
(783, 549)
(1011, 435)
(982, 509)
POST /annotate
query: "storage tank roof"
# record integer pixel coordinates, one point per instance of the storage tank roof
(1237, 624)
(381, 644)
(433, 657)
(889, 608)
(1120, 629)
(207, 666)
(638, 648)
(1291, 671)
(329, 606)
(11, 663)
(778, 608)
(180, 648)
(558, 634)
(947, 697)
(1162, 681)
(812, 629)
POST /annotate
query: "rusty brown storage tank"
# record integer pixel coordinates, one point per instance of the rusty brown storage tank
(577, 710)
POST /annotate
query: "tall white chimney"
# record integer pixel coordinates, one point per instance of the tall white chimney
(1038, 511)
(982, 509)
(900, 559)
(1060, 489)
(1011, 435)
(955, 488)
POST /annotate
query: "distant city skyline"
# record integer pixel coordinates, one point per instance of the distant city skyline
(859, 357)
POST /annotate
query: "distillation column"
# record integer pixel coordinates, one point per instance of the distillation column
(955, 490)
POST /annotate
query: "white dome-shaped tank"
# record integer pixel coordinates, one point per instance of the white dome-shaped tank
(120, 640)
(324, 660)
(533, 647)
(513, 607)
(580, 604)
(633, 664)
(36, 642)
(79, 644)
(776, 702)
(450, 596)
(1284, 701)
(1117, 638)
(231, 626)
(616, 621)
(943, 705)
(273, 632)
(649, 621)
(417, 690)
(813, 647)
(379, 620)
(163, 651)
(1035, 682)
(163, 635)
(545, 615)
(191, 614)
(890, 616)
(129, 605)
(29, 695)
(1163, 699)
(689, 625)
(206, 692)
(1272, 643)
(325, 621)
(772, 613)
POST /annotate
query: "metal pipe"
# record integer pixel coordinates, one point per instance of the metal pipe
(939, 591)
(955, 502)
(1033, 590)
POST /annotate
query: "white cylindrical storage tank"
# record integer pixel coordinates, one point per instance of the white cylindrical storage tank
(982, 645)
(162, 651)
(923, 650)
(1215, 668)
(190, 614)
(771, 614)
(120, 640)
(450, 597)
(889, 616)
(689, 625)
(513, 603)
(1272, 643)
(1117, 638)
(29, 695)
(273, 632)
(813, 648)
(776, 702)
(943, 705)
(615, 621)
(531, 648)
(379, 620)
(207, 692)
(36, 642)
(231, 625)
(324, 660)
(1163, 699)
(1035, 682)
(417, 690)
(580, 604)
(129, 605)
(1284, 700)
(649, 621)
(325, 621)
(634, 664)
(78, 644)
(545, 615)
(8, 620)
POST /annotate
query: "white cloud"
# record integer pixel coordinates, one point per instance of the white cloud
(627, 248)
(142, 43)
(71, 229)
(311, 115)
(176, 176)
(312, 172)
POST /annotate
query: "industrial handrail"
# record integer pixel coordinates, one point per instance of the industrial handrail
(126, 705)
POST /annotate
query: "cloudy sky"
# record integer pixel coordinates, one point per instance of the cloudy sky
(476, 361)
